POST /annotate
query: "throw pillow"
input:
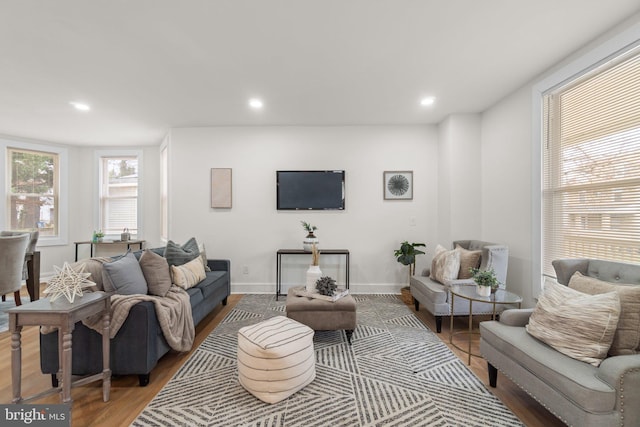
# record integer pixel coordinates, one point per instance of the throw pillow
(124, 276)
(627, 337)
(178, 255)
(155, 269)
(188, 275)
(576, 324)
(445, 265)
(468, 260)
(203, 255)
(92, 266)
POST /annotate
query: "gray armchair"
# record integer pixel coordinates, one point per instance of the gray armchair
(31, 247)
(435, 296)
(12, 255)
(578, 393)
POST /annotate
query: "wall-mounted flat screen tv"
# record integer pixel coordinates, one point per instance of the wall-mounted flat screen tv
(310, 190)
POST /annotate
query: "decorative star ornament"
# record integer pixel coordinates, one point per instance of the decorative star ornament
(68, 282)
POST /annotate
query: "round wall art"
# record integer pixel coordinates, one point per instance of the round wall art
(398, 185)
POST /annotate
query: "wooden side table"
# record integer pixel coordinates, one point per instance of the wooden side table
(108, 242)
(63, 315)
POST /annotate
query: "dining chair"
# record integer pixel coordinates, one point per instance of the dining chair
(12, 255)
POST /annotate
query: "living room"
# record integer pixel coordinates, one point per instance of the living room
(474, 168)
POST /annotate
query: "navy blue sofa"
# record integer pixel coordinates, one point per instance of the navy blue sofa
(140, 343)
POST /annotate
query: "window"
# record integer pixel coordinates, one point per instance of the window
(591, 165)
(35, 184)
(33, 196)
(119, 194)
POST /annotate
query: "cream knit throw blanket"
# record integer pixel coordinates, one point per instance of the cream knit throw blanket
(173, 310)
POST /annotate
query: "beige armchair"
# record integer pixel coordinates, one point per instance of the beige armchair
(435, 296)
(12, 257)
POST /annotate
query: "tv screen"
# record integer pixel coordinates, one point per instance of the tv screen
(310, 190)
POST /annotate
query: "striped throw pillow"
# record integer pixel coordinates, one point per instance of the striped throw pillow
(188, 275)
(576, 324)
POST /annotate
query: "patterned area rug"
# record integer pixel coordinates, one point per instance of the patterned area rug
(396, 373)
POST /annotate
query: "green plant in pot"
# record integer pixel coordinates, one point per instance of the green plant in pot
(486, 281)
(98, 236)
(406, 255)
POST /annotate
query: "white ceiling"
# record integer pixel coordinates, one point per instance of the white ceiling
(146, 66)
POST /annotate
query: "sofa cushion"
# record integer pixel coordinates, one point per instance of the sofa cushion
(188, 275)
(124, 276)
(445, 265)
(468, 260)
(211, 282)
(195, 296)
(579, 325)
(576, 380)
(156, 272)
(627, 337)
(178, 255)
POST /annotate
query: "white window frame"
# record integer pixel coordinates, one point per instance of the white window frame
(615, 46)
(99, 155)
(63, 204)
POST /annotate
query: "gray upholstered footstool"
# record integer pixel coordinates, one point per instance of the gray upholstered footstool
(322, 315)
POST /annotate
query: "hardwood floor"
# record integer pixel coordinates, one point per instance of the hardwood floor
(128, 399)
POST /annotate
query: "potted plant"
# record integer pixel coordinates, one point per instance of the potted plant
(406, 255)
(98, 236)
(311, 239)
(486, 281)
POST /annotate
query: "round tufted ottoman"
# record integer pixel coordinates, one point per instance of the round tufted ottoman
(275, 358)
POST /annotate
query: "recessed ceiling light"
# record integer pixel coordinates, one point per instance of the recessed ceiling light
(255, 103)
(429, 100)
(80, 106)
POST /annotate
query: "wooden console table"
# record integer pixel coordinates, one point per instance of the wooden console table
(63, 315)
(281, 252)
(108, 242)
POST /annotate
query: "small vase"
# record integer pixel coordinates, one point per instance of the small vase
(308, 242)
(313, 274)
(484, 291)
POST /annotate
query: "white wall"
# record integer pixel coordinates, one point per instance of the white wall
(459, 179)
(252, 230)
(506, 189)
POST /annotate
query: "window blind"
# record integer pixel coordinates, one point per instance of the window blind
(591, 166)
(119, 195)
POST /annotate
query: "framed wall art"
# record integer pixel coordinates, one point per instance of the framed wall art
(221, 188)
(398, 185)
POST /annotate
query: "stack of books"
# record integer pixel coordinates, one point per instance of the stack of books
(338, 293)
